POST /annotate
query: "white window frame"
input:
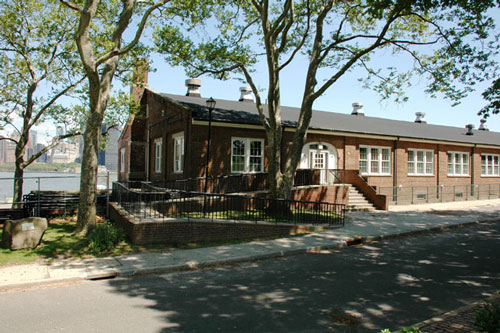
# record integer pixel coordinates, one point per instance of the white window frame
(122, 159)
(494, 166)
(247, 154)
(461, 163)
(369, 159)
(415, 162)
(158, 154)
(178, 139)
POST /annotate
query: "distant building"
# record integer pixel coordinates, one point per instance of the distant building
(44, 158)
(8, 150)
(64, 152)
(108, 156)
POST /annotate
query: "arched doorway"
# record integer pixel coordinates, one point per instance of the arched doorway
(320, 156)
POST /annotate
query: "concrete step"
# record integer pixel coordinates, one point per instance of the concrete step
(358, 201)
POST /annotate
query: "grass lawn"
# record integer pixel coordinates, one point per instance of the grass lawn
(60, 242)
(299, 216)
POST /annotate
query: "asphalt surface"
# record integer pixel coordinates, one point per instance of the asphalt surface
(387, 284)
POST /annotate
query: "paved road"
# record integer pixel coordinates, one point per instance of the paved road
(382, 285)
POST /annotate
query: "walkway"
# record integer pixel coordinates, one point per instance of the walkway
(360, 227)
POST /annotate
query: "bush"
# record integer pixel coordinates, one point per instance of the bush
(105, 237)
(488, 318)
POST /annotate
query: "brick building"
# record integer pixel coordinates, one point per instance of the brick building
(168, 140)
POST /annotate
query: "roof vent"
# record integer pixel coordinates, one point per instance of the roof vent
(193, 85)
(420, 117)
(482, 125)
(357, 109)
(469, 128)
(246, 94)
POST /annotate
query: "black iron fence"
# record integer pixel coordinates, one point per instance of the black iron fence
(401, 195)
(144, 203)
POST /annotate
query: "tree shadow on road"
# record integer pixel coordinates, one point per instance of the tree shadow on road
(358, 289)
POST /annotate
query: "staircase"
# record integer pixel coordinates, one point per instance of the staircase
(357, 201)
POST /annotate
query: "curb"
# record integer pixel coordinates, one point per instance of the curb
(346, 242)
(109, 273)
(458, 311)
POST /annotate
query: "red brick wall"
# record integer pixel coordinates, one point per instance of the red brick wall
(165, 119)
(174, 232)
(331, 194)
(220, 148)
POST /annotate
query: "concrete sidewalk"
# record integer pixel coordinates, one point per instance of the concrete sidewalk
(360, 227)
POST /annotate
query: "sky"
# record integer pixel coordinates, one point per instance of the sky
(338, 98)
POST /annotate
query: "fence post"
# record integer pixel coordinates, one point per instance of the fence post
(38, 201)
(107, 195)
(427, 195)
(412, 188)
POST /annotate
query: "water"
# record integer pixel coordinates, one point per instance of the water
(63, 181)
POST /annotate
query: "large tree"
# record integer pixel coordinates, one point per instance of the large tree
(108, 40)
(38, 66)
(441, 39)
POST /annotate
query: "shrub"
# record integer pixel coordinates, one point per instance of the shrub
(488, 318)
(105, 237)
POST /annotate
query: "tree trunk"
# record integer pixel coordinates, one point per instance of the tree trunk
(19, 172)
(88, 181)
(18, 185)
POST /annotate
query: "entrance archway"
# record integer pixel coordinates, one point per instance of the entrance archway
(320, 156)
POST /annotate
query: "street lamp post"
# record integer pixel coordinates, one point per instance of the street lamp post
(210, 105)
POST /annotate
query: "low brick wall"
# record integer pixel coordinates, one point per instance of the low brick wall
(179, 231)
(326, 193)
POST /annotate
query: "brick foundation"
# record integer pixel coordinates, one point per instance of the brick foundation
(181, 231)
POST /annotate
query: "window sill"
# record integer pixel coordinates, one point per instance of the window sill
(415, 175)
(458, 176)
(490, 176)
(375, 175)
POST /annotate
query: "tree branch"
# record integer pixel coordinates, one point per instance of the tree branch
(121, 28)
(71, 6)
(49, 147)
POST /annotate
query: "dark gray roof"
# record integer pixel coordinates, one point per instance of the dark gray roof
(246, 113)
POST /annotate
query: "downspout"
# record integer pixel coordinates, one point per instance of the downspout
(395, 172)
(438, 164)
(148, 151)
(472, 177)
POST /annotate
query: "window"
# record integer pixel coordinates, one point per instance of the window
(247, 155)
(178, 152)
(158, 147)
(374, 160)
(122, 160)
(489, 165)
(458, 164)
(420, 162)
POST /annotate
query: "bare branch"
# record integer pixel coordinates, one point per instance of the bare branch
(121, 28)
(258, 100)
(54, 143)
(7, 139)
(71, 6)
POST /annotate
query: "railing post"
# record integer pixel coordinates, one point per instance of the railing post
(412, 196)
(38, 201)
(107, 195)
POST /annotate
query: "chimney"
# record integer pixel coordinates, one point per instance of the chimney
(140, 80)
(482, 125)
(420, 117)
(469, 128)
(246, 94)
(357, 109)
(193, 85)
